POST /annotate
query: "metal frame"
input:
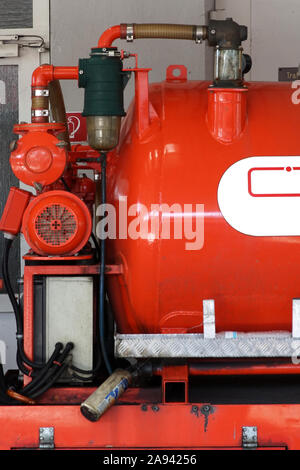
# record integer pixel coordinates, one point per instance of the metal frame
(144, 424)
(50, 270)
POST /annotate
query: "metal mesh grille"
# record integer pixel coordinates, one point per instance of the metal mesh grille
(56, 224)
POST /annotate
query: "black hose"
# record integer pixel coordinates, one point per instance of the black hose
(48, 385)
(16, 307)
(42, 373)
(97, 247)
(33, 389)
(102, 273)
(91, 371)
(10, 292)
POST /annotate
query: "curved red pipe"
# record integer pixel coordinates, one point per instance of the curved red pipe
(109, 36)
(46, 73)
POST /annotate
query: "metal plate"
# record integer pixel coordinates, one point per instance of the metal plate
(196, 346)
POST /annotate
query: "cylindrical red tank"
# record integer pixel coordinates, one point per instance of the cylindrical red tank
(181, 159)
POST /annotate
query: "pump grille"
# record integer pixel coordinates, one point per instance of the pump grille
(56, 224)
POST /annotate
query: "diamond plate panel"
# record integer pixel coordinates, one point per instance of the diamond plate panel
(196, 346)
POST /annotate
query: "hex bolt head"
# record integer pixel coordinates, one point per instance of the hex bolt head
(206, 408)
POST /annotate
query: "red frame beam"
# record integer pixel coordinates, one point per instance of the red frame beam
(152, 426)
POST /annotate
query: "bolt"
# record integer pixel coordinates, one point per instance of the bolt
(194, 409)
(80, 72)
(155, 408)
(61, 143)
(213, 31)
(144, 407)
(206, 408)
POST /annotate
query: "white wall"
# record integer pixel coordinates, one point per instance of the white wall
(77, 25)
(274, 33)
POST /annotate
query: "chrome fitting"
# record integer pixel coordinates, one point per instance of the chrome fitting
(129, 33)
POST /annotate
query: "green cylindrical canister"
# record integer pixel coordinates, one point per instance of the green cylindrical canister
(102, 78)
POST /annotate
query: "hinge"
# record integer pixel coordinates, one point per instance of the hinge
(46, 438)
(249, 437)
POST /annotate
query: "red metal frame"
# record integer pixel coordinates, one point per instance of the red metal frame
(64, 270)
(152, 426)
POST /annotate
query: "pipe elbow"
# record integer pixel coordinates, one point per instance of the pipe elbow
(42, 76)
(108, 37)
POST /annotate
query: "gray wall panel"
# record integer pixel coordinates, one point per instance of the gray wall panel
(8, 117)
(16, 14)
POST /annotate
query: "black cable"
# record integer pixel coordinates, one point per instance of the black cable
(4, 398)
(16, 307)
(97, 247)
(34, 388)
(21, 365)
(102, 273)
(10, 292)
(92, 371)
(48, 385)
(66, 186)
(21, 356)
(42, 373)
(84, 379)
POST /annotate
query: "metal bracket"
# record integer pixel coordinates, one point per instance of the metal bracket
(296, 318)
(249, 437)
(209, 321)
(46, 438)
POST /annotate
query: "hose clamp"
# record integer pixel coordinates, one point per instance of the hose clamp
(9, 236)
(39, 92)
(199, 34)
(39, 112)
(129, 33)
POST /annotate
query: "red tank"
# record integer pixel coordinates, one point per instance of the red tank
(250, 255)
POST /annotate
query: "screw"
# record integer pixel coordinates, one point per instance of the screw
(80, 72)
(213, 31)
(155, 408)
(194, 409)
(206, 408)
(144, 407)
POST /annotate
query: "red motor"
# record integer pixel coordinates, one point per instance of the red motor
(57, 223)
